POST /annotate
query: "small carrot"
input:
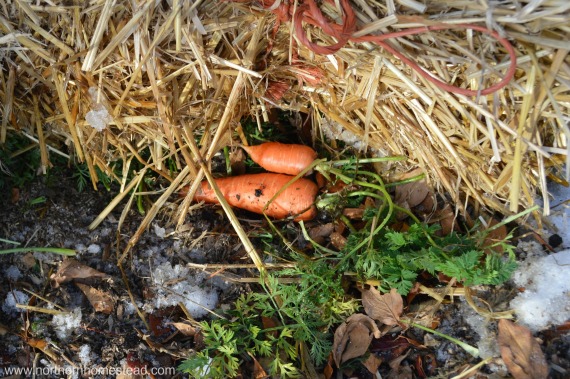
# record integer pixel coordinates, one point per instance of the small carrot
(282, 158)
(253, 191)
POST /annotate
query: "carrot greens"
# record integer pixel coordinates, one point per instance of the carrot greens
(299, 306)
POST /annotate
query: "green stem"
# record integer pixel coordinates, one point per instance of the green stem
(468, 348)
(9, 241)
(343, 162)
(55, 250)
(140, 205)
(405, 181)
(511, 218)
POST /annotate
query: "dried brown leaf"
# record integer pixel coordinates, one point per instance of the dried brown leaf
(353, 337)
(72, 269)
(411, 194)
(447, 219)
(397, 370)
(353, 213)
(495, 236)
(237, 162)
(320, 232)
(258, 370)
(184, 328)
(100, 300)
(337, 240)
(372, 363)
(328, 370)
(521, 352)
(385, 308)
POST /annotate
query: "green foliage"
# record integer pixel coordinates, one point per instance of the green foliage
(228, 343)
(83, 177)
(304, 312)
(395, 258)
(19, 161)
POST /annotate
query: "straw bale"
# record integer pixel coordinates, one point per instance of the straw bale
(158, 74)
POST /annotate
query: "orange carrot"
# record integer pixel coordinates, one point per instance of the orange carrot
(253, 191)
(282, 158)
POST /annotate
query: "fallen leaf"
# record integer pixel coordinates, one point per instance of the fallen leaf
(258, 371)
(425, 365)
(237, 162)
(372, 363)
(353, 213)
(397, 343)
(352, 338)
(494, 237)
(135, 363)
(45, 348)
(411, 194)
(337, 240)
(157, 325)
(447, 220)
(521, 352)
(72, 269)
(320, 232)
(184, 328)
(37, 343)
(328, 370)
(385, 308)
(270, 324)
(397, 370)
(100, 300)
(125, 373)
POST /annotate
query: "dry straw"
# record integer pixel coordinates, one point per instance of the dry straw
(124, 81)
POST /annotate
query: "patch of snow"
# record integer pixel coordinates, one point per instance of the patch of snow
(14, 297)
(546, 296)
(98, 117)
(65, 323)
(85, 355)
(13, 273)
(93, 249)
(487, 343)
(129, 308)
(160, 232)
(175, 284)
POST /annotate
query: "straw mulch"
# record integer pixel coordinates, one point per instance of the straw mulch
(155, 76)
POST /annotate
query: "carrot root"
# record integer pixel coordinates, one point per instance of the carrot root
(253, 192)
(282, 158)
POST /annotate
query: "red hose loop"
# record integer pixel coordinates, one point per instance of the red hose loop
(308, 12)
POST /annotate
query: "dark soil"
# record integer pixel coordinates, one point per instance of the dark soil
(117, 339)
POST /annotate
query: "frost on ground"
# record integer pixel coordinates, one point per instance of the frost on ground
(66, 323)
(177, 284)
(85, 355)
(14, 297)
(546, 296)
(487, 343)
